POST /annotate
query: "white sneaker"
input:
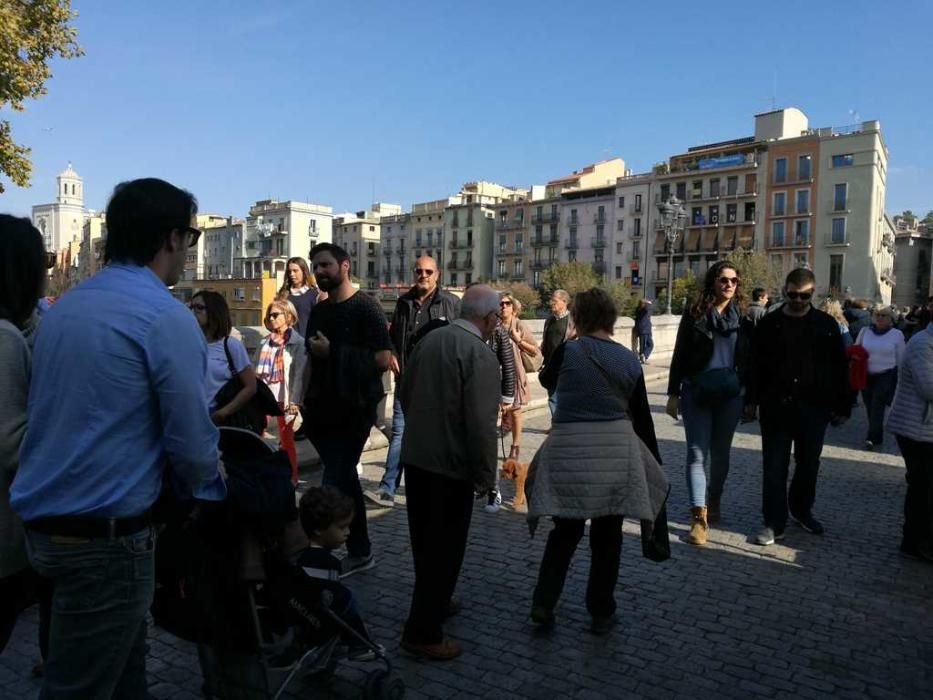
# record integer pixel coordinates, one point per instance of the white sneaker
(494, 502)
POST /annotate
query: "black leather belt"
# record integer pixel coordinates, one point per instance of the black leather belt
(90, 528)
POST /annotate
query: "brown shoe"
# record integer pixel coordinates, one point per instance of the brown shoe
(713, 512)
(442, 651)
(698, 525)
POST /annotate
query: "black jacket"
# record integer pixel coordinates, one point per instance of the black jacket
(441, 305)
(767, 385)
(693, 350)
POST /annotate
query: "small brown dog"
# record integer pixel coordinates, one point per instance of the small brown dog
(517, 472)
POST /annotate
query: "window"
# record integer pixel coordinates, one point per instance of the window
(239, 294)
(453, 279)
(418, 237)
(731, 213)
(714, 214)
(536, 280)
(801, 260)
(572, 256)
(835, 272)
(618, 247)
(621, 202)
(777, 234)
(714, 188)
(777, 264)
(840, 196)
(636, 228)
(502, 268)
(618, 272)
(519, 242)
(843, 160)
(839, 231)
(696, 190)
(620, 225)
(804, 171)
(780, 170)
(469, 279)
(637, 202)
(502, 243)
(802, 232)
(681, 188)
(370, 269)
(257, 294)
(749, 212)
(517, 268)
(373, 228)
(732, 185)
(780, 201)
(665, 192)
(803, 201)
(573, 216)
(696, 216)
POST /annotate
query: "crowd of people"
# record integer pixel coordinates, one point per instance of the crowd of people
(118, 392)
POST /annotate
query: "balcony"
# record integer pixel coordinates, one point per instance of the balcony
(573, 222)
(460, 244)
(507, 224)
(571, 244)
(539, 242)
(599, 267)
(636, 209)
(549, 218)
(598, 241)
(599, 219)
(540, 264)
(455, 264)
(518, 274)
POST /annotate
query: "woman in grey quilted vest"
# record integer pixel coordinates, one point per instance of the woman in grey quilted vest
(600, 461)
(911, 422)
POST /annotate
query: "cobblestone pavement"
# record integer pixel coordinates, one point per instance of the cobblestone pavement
(841, 615)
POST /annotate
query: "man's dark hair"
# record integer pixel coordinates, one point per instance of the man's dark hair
(141, 215)
(800, 277)
(339, 253)
(22, 268)
(758, 293)
(593, 310)
(219, 324)
(322, 506)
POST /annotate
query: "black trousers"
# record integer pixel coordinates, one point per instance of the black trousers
(605, 552)
(439, 513)
(803, 427)
(918, 503)
(878, 395)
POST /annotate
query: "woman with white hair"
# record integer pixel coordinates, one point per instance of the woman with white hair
(885, 347)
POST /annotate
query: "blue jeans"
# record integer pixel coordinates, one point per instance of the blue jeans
(393, 475)
(101, 593)
(552, 402)
(709, 432)
(878, 394)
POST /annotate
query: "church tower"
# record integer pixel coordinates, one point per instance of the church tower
(70, 187)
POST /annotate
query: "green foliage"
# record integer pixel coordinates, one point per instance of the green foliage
(572, 277)
(32, 33)
(626, 300)
(755, 270)
(684, 290)
(928, 219)
(527, 297)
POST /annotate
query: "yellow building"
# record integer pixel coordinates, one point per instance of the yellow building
(247, 298)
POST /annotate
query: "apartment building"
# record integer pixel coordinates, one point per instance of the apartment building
(912, 261)
(511, 241)
(222, 242)
(544, 238)
(360, 235)
(246, 298)
(428, 234)
(635, 195)
(90, 257)
(276, 231)
(394, 268)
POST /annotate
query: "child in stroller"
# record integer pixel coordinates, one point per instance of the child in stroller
(325, 514)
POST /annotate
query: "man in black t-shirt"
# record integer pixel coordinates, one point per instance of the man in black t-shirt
(798, 385)
(349, 346)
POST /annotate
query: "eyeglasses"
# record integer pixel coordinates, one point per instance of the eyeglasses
(505, 302)
(274, 314)
(802, 296)
(729, 281)
(423, 273)
(193, 235)
(197, 307)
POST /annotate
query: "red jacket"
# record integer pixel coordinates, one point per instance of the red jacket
(858, 367)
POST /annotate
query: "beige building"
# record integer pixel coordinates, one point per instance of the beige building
(276, 231)
(90, 255)
(223, 241)
(359, 235)
(912, 261)
(247, 298)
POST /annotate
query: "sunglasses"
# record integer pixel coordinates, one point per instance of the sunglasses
(197, 307)
(729, 281)
(425, 273)
(274, 314)
(802, 296)
(193, 235)
(506, 302)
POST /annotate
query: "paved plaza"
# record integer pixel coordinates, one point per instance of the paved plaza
(842, 615)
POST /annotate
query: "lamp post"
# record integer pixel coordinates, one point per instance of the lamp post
(673, 220)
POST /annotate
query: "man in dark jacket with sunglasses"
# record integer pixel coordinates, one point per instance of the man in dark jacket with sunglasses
(798, 384)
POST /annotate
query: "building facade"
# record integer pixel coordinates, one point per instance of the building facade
(90, 255)
(62, 221)
(912, 261)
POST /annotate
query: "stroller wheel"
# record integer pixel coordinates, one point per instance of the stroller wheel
(382, 685)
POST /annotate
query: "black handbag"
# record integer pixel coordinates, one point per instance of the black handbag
(715, 385)
(252, 416)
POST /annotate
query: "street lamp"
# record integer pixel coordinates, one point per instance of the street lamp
(673, 219)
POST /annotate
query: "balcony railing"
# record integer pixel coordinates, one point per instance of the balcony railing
(598, 241)
(540, 264)
(466, 264)
(456, 244)
(506, 224)
(518, 274)
(599, 267)
(551, 217)
(599, 219)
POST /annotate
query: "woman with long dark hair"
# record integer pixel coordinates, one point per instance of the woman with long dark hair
(705, 385)
(22, 281)
(300, 290)
(226, 356)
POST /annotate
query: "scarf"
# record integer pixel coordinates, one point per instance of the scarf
(271, 366)
(876, 331)
(724, 324)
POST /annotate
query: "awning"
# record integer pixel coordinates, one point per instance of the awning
(727, 239)
(709, 239)
(747, 237)
(693, 240)
(660, 243)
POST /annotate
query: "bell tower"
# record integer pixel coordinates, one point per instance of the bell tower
(70, 187)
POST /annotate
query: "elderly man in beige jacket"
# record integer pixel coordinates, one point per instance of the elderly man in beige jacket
(450, 397)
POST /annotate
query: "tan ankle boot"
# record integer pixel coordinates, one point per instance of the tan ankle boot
(698, 525)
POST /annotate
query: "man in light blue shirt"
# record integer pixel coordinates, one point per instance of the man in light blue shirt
(117, 403)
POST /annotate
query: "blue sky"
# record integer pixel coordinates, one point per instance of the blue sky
(330, 102)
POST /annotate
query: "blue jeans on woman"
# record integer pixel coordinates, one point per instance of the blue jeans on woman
(393, 475)
(709, 431)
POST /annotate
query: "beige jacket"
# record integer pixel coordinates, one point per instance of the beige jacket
(450, 396)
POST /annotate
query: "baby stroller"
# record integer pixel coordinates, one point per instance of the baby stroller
(224, 581)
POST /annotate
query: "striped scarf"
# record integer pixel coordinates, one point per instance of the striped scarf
(271, 367)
